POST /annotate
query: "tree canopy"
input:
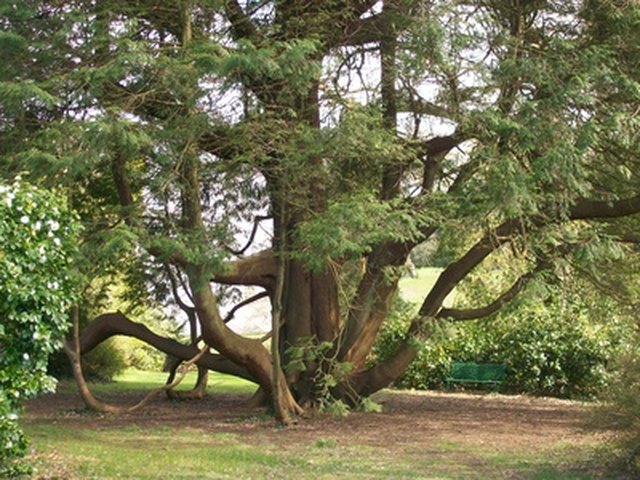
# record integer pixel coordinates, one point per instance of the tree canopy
(358, 128)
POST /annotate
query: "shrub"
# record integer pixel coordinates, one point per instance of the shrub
(37, 233)
(140, 355)
(620, 409)
(547, 352)
(554, 348)
(104, 362)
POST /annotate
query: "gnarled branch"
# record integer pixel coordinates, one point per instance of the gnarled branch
(116, 323)
(244, 303)
(252, 236)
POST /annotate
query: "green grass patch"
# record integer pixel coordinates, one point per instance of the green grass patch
(133, 452)
(161, 452)
(416, 289)
(134, 380)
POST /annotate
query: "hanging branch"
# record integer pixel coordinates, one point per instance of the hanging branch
(281, 414)
(244, 303)
(497, 304)
(256, 223)
(174, 289)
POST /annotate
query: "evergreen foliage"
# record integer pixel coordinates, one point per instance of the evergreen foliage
(361, 129)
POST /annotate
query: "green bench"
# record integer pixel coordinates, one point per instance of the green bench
(477, 373)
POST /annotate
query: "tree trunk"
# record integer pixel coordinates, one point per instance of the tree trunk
(247, 352)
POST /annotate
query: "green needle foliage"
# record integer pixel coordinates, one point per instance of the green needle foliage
(360, 129)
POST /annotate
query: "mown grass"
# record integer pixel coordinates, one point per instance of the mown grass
(416, 289)
(151, 452)
(132, 379)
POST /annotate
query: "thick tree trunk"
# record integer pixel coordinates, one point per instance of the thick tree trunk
(247, 352)
(372, 302)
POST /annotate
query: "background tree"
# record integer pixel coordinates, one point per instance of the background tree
(362, 128)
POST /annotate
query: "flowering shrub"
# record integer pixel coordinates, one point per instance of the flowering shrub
(37, 241)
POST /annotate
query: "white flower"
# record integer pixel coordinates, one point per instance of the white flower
(57, 241)
(53, 225)
(37, 226)
(25, 356)
(24, 219)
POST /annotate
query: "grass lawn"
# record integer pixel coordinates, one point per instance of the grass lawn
(416, 289)
(433, 440)
(152, 453)
(132, 379)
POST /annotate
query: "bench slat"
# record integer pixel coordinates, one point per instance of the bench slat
(469, 372)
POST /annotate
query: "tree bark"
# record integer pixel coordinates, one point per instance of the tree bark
(111, 324)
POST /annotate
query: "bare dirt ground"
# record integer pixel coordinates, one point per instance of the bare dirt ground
(420, 419)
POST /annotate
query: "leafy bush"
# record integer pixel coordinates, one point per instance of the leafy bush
(554, 348)
(37, 233)
(430, 367)
(140, 355)
(620, 409)
(547, 352)
(100, 365)
(104, 362)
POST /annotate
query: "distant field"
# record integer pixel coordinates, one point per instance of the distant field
(416, 289)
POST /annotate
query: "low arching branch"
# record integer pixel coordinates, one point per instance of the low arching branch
(111, 324)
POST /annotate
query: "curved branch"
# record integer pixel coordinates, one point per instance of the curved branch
(74, 354)
(110, 324)
(176, 296)
(244, 303)
(497, 304)
(256, 223)
(583, 210)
